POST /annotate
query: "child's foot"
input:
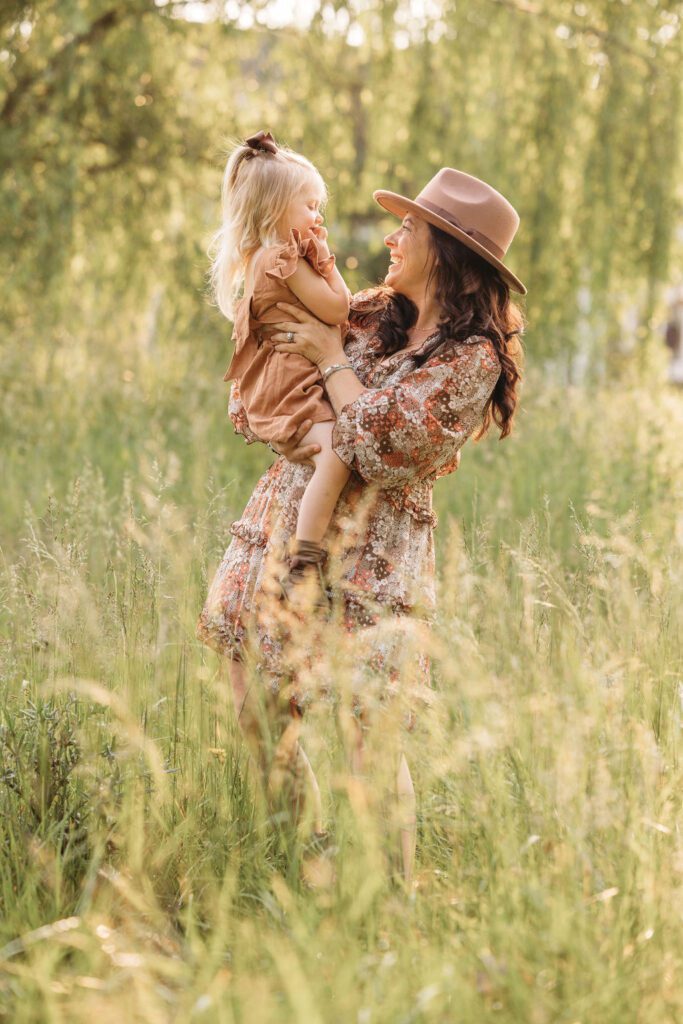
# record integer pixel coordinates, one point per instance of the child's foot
(306, 574)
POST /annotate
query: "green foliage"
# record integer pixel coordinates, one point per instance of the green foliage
(113, 121)
(139, 874)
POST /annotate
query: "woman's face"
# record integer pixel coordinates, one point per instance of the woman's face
(411, 257)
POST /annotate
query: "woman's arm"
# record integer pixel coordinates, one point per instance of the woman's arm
(408, 430)
(294, 450)
(322, 345)
(342, 387)
(238, 415)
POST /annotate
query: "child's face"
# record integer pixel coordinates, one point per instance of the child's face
(304, 212)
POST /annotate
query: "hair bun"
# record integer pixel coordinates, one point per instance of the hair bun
(261, 142)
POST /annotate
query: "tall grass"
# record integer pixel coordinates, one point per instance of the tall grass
(139, 876)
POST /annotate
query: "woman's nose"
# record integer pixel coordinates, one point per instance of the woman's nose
(319, 218)
(389, 240)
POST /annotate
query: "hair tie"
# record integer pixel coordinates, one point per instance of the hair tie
(262, 142)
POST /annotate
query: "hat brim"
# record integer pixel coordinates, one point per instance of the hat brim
(400, 205)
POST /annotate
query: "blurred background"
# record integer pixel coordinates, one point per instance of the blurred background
(549, 854)
(114, 118)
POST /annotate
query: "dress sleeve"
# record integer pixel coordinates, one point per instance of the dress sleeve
(238, 415)
(285, 258)
(416, 428)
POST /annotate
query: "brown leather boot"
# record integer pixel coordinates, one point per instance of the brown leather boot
(308, 560)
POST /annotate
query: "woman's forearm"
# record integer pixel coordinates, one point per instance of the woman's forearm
(309, 337)
(342, 386)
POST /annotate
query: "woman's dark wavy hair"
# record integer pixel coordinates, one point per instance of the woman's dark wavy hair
(475, 301)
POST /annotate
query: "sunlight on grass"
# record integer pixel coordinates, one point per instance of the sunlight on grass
(141, 877)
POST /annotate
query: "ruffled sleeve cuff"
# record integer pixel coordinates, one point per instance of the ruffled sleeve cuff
(288, 255)
(286, 258)
(361, 437)
(318, 256)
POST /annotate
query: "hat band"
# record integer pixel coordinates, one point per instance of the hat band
(478, 236)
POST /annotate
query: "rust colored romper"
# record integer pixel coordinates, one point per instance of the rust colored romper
(278, 389)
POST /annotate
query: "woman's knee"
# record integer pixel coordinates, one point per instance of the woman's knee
(245, 700)
(238, 684)
(404, 780)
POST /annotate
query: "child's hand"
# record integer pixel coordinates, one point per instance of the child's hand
(320, 232)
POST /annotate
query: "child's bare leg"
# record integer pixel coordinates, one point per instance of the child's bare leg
(324, 487)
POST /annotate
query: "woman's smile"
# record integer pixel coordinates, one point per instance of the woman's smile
(395, 262)
(409, 256)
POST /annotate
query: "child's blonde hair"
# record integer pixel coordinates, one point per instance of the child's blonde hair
(258, 186)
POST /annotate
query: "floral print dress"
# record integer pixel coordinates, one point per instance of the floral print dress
(397, 438)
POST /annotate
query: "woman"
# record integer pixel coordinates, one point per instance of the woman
(430, 357)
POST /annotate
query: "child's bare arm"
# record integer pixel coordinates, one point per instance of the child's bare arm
(327, 298)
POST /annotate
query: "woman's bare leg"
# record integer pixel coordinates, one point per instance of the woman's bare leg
(248, 717)
(314, 791)
(356, 743)
(288, 773)
(293, 773)
(407, 820)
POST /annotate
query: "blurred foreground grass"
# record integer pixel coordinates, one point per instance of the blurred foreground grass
(138, 878)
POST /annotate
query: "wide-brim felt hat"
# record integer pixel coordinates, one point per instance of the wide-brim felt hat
(467, 208)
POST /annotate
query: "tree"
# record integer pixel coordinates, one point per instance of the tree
(113, 116)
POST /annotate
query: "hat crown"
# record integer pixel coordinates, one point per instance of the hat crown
(467, 208)
(472, 205)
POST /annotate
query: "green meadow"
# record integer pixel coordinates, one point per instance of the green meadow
(143, 879)
(140, 876)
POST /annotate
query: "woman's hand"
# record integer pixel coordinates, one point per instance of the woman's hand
(294, 450)
(310, 337)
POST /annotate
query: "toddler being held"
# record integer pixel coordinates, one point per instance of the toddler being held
(272, 247)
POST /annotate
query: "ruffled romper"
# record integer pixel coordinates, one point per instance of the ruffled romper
(278, 389)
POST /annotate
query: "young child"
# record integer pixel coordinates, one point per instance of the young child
(273, 247)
